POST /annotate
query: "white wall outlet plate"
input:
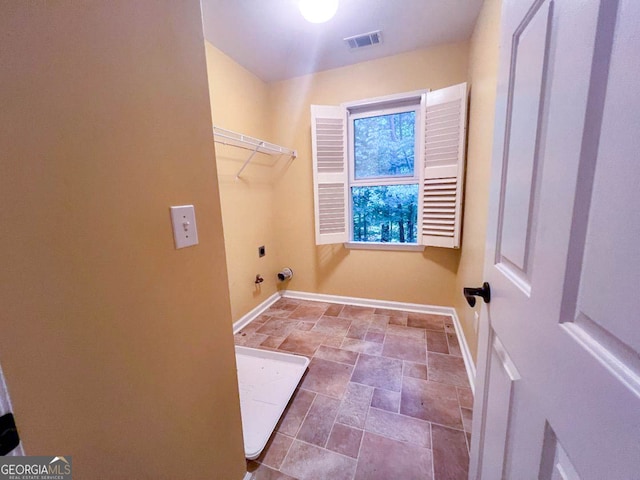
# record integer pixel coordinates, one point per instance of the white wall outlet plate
(185, 233)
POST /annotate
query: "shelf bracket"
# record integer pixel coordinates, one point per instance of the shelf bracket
(246, 162)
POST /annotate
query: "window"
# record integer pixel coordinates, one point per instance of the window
(389, 171)
(384, 177)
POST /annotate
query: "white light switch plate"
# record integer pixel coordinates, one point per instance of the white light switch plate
(185, 233)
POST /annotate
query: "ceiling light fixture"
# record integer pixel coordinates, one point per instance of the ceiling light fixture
(318, 11)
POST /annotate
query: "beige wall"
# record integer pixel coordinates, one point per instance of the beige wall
(116, 347)
(483, 72)
(427, 277)
(239, 102)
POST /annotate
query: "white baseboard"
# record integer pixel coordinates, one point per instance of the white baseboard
(369, 302)
(253, 314)
(470, 366)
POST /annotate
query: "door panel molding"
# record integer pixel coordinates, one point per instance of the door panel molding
(521, 152)
(620, 359)
(555, 463)
(501, 377)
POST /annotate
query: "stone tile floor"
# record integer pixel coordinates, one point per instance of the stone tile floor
(386, 395)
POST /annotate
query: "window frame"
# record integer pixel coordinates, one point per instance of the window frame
(386, 179)
(442, 151)
(399, 103)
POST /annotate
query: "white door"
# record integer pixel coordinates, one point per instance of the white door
(558, 386)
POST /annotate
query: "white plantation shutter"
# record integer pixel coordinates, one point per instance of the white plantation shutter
(330, 173)
(444, 143)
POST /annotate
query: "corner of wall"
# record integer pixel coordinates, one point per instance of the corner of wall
(239, 102)
(483, 74)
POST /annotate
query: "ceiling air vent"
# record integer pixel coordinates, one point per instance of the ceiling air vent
(364, 40)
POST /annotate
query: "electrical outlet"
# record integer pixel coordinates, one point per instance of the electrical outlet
(476, 321)
(262, 251)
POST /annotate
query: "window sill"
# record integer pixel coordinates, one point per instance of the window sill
(384, 246)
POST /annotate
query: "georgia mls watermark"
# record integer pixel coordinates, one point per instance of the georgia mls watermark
(35, 468)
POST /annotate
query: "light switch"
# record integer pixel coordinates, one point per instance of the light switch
(185, 233)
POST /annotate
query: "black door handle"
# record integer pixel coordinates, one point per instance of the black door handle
(470, 294)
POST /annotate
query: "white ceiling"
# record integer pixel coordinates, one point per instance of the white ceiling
(271, 39)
